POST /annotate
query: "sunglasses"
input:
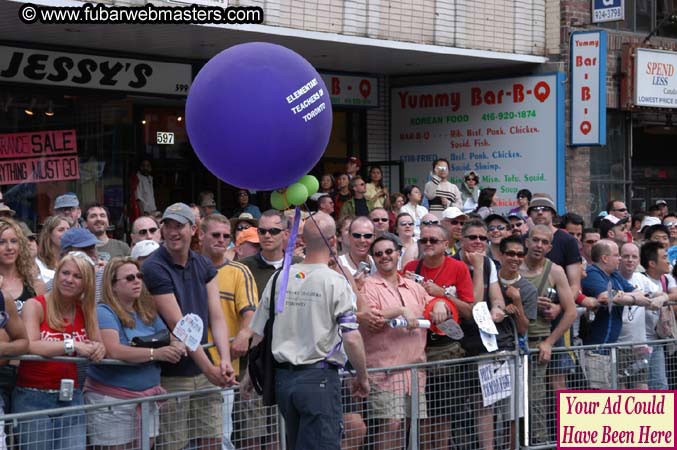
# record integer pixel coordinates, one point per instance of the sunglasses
(388, 252)
(671, 224)
(272, 231)
(243, 227)
(381, 219)
(432, 241)
(362, 235)
(32, 238)
(430, 222)
(539, 208)
(590, 242)
(513, 254)
(217, 235)
(515, 225)
(131, 277)
(456, 222)
(406, 224)
(145, 231)
(471, 179)
(476, 237)
(621, 209)
(497, 227)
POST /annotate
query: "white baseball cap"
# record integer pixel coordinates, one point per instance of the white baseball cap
(144, 248)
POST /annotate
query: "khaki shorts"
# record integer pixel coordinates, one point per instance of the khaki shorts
(390, 405)
(116, 425)
(251, 416)
(184, 419)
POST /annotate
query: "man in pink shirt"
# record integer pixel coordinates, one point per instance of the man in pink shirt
(395, 297)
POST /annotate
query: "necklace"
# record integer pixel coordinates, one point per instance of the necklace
(509, 282)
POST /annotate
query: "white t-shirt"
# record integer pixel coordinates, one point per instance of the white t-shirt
(46, 274)
(343, 259)
(417, 215)
(277, 264)
(652, 316)
(634, 317)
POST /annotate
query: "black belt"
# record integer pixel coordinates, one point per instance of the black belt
(537, 338)
(317, 365)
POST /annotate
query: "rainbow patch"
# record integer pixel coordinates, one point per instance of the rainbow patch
(300, 276)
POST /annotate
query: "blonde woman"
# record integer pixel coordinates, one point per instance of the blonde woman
(49, 245)
(126, 312)
(63, 322)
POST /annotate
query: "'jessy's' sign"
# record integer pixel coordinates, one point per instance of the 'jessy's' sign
(93, 72)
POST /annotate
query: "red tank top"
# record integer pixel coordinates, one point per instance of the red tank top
(48, 375)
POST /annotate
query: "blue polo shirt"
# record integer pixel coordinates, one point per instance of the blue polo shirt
(606, 327)
(189, 285)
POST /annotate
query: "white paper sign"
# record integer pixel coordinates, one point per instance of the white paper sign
(494, 380)
(189, 331)
(655, 78)
(482, 316)
(509, 131)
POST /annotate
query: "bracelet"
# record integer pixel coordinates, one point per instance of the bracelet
(151, 354)
(634, 300)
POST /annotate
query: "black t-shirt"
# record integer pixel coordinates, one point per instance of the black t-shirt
(564, 249)
(361, 208)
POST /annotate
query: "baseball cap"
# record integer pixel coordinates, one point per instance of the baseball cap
(608, 222)
(78, 238)
(491, 217)
(26, 231)
(452, 212)
(144, 248)
(649, 221)
(661, 202)
(180, 212)
(355, 160)
(541, 199)
(248, 235)
(67, 200)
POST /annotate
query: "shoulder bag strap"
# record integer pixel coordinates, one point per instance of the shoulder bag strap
(546, 273)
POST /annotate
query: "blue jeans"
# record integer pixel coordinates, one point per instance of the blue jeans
(658, 380)
(54, 432)
(310, 401)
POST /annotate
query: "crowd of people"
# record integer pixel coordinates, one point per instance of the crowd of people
(363, 257)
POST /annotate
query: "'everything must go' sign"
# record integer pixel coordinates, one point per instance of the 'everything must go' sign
(509, 131)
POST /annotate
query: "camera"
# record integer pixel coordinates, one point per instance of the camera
(419, 278)
(551, 294)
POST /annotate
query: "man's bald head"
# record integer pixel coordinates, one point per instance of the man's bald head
(321, 224)
(604, 247)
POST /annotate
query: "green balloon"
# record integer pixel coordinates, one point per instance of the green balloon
(311, 184)
(297, 194)
(277, 201)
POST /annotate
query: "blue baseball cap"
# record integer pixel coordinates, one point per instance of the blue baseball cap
(67, 200)
(78, 238)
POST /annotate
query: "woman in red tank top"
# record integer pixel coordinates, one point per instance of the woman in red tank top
(63, 322)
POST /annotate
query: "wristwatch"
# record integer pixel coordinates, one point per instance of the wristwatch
(450, 291)
(69, 346)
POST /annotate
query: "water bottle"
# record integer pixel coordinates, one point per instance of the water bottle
(638, 365)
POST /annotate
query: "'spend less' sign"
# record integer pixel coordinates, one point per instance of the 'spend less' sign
(608, 10)
(510, 131)
(588, 88)
(23, 65)
(655, 80)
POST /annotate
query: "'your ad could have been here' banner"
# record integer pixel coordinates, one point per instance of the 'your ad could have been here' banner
(509, 131)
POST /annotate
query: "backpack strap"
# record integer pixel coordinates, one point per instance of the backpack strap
(419, 266)
(272, 294)
(664, 283)
(546, 273)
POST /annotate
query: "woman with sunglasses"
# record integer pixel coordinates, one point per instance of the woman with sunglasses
(127, 311)
(60, 323)
(523, 199)
(470, 191)
(376, 191)
(413, 207)
(405, 231)
(397, 201)
(49, 245)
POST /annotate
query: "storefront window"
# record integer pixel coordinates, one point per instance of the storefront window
(66, 143)
(608, 174)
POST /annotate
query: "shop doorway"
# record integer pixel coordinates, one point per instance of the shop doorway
(654, 166)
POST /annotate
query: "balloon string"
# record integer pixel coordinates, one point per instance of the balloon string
(326, 241)
(284, 278)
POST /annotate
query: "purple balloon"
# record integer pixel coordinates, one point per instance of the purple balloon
(258, 116)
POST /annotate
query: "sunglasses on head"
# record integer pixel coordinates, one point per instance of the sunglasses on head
(432, 241)
(145, 231)
(362, 235)
(272, 231)
(497, 227)
(379, 219)
(430, 222)
(131, 277)
(476, 237)
(388, 251)
(406, 224)
(217, 235)
(513, 254)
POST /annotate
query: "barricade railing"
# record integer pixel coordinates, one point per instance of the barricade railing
(465, 403)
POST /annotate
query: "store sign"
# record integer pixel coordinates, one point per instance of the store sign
(510, 131)
(655, 79)
(608, 10)
(588, 88)
(47, 156)
(345, 90)
(22, 65)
